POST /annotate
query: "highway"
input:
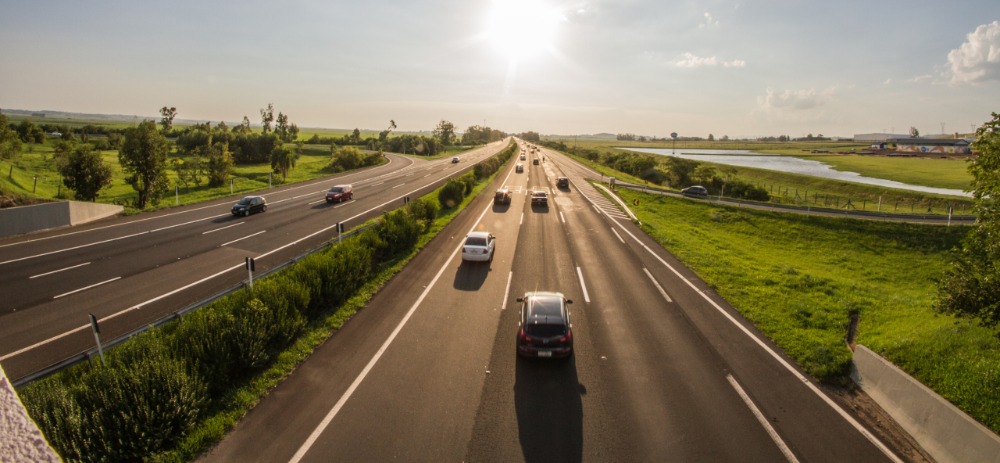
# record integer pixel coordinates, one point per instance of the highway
(132, 271)
(663, 370)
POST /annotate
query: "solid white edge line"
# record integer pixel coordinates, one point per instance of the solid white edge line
(314, 436)
(762, 420)
(57, 271)
(85, 288)
(562, 217)
(663, 292)
(805, 380)
(586, 296)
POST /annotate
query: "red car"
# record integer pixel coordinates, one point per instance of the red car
(340, 193)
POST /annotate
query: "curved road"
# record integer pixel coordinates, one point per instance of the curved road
(132, 271)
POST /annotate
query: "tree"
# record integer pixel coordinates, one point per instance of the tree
(711, 137)
(143, 157)
(445, 131)
(220, 164)
(167, 117)
(914, 132)
(10, 142)
(85, 173)
(267, 117)
(384, 135)
(971, 286)
(281, 127)
(282, 160)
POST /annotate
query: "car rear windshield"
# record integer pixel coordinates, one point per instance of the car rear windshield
(475, 241)
(545, 330)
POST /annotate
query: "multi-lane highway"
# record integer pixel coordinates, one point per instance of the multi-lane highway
(664, 370)
(131, 271)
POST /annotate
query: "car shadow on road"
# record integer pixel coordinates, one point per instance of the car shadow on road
(501, 207)
(470, 276)
(547, 396)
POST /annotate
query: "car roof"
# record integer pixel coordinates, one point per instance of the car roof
(253, 196)
(480, 234)
(544, 304)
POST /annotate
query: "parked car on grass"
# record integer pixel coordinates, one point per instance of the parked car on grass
(696, 191)
(479, 247)
(340, 193)
(249, 205)
(544, 329)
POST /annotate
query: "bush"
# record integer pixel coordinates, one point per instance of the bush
(141, 403)
(452, 194)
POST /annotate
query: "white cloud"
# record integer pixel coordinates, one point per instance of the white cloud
(978, 59)
(887, 81)
(690, 60)
(709, 21)
(794, 100)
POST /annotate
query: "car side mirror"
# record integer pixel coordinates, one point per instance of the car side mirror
(520, 299)
(569, 301)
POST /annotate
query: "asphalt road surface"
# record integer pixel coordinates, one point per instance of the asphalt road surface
(132, 271)
(664, 370)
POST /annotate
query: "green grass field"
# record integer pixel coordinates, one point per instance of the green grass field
(798, 277)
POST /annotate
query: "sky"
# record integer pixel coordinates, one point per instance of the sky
(748, 68)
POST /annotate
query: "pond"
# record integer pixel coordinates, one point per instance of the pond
(792, 165)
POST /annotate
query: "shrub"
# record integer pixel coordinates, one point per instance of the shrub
(452, 194)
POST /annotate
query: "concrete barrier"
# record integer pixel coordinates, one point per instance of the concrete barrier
(944, 431)
(27, 219)
(22, 440)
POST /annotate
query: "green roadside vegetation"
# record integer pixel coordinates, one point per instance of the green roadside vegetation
(784, 188)
(216, 363)
(799, 278)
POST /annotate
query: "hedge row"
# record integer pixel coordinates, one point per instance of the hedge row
(455, 191)
(157, 386)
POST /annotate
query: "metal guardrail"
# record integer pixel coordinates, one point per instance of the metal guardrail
(936, 217)
(89, 354)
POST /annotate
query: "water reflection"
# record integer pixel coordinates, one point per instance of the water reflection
(793, 165)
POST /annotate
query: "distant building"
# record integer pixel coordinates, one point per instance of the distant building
(930, 145)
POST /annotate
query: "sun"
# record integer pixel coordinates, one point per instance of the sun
(522, 28)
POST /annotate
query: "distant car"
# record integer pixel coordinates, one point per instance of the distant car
(479, 247)
(562, 182)
(502, 196)
(454, 160)
(249, 205)
(519, 168)
(534, 161)
(696, 191)
(539, 198)
(545, 329)
(523, 157)
(340, 193)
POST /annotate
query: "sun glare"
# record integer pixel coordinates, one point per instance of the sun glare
(522, 28)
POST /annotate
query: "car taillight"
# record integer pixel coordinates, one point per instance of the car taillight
(567, 339)
(523, 336)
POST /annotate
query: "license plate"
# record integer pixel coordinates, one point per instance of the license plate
(544, 353)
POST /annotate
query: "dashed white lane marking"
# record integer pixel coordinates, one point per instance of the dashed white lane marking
(763, 421)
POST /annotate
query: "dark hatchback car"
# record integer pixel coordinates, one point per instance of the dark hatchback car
(545, 330)
(562, 182)
(250, 204)
(696, 191)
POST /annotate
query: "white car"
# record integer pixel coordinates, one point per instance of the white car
(479, 247)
